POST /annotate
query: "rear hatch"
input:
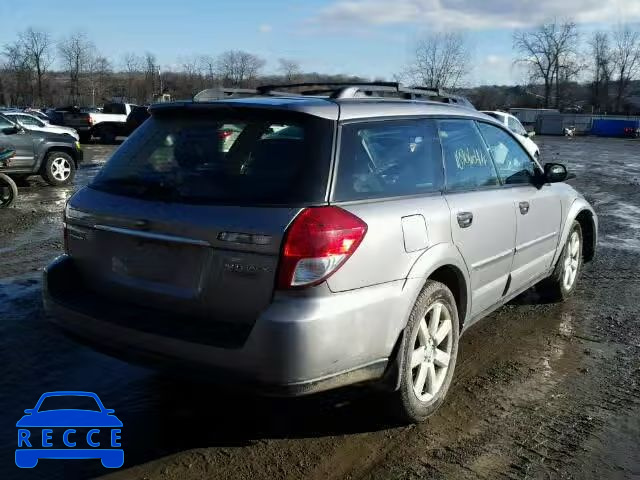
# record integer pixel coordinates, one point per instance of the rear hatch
(178, 220)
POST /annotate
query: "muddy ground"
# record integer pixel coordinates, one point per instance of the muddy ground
(540, 391)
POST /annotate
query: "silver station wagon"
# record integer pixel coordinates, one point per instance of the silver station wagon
(346, 236)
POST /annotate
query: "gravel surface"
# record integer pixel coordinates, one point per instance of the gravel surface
(540, 391)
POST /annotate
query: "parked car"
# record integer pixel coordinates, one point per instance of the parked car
(513, 124)
(295, 262)
(38, 113)
(33, 123)
(54, 156)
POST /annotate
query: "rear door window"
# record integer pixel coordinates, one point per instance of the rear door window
(468, 164)
(388, 158)
(237, 158)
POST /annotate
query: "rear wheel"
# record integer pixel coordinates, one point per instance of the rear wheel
(564, 279)
(59, 168)
(429, 353)
(107, 135)
(8, 191)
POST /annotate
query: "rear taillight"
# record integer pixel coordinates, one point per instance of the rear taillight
(224, 134)
(90, 120)
(317, 244)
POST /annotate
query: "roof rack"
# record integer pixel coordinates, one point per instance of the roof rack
(211, 94)
(356, 90)
(338, 90)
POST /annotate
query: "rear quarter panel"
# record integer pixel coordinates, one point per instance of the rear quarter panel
(382, 256)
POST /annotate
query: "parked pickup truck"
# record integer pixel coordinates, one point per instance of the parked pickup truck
(88, 123)
(108, 131)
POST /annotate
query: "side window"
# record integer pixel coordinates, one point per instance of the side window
(467, 162)
(512, 161)
(389, 158)
(27, 120)
(515, 126)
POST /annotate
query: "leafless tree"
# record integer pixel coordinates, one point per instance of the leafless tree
(550, 51)
(20, 72)
(77, 53)
(626, 60)
(601, 68)
(440, 60)
(38, 48)
(100, 72)
(208, 65)
(289, 69)
(132, 65)
(151, 72)
(238, 68)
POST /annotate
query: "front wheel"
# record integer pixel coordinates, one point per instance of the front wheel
(429, 353)
(564, 279)
(8, 191)
(59, 168)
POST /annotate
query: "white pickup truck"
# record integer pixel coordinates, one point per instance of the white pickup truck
(90, 123)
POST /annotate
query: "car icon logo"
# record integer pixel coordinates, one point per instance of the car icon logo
(51, 430)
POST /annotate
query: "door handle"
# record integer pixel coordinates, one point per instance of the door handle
(524, 207)
(465, 219)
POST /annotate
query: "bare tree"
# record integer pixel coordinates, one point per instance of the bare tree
(151, 70)
(37, 47)
(100, 72)
(238, 68)
(441, 60)
(20, 71)
(550, 52)
(208, 65)
(601, 67)
(77, 53)
(289, 69)
(132, 65)
(626, 60)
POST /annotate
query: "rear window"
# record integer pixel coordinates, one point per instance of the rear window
(116, 108)
(239, 158)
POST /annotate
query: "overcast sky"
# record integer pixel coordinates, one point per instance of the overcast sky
(364, 37)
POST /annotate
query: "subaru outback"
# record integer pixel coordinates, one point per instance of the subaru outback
(339, 239)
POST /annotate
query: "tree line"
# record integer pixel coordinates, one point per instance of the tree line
(83, 76)
(564, 68)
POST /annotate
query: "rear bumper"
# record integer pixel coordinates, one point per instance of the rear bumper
(298, 345)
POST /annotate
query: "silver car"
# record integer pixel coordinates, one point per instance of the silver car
(355, 244)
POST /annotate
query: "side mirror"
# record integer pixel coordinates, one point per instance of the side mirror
(555, 172)
(109, 411)
(29, 411)
(11, 130)
(531, 134)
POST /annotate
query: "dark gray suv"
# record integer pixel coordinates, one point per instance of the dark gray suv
(53, 156)
(336, 240)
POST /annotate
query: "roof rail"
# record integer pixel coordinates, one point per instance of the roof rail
(211, 94)
(357, 90)
(313, 88)
(338, 90)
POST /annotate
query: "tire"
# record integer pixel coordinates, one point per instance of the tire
(561, 284)
(58, 169)
(434, 311)
(8, 191)
(107, 135)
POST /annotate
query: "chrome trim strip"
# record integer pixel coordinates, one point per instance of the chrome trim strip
(153, 236)
(493, 259)
(530, 243)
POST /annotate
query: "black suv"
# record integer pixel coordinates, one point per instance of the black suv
(53, 156)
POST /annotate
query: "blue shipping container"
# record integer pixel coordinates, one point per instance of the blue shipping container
(615, 128)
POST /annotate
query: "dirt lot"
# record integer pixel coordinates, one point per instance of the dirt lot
(540, 391)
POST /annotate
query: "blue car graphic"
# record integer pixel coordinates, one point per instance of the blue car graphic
(31, 448)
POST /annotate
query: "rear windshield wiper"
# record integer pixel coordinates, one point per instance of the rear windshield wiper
(161, 190)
